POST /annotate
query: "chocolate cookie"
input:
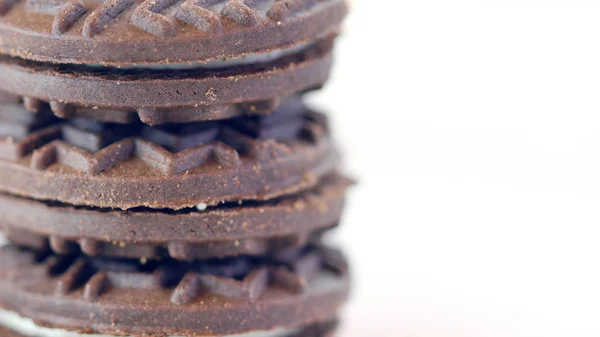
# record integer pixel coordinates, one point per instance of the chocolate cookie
(28, 327)
(253, 228)
(125, 32)
(147, 116)
(192, 94)
(82, 162)
(212, 297)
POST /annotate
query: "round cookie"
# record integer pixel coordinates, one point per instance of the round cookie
(213, 297)
(253, 228)
(146, 116)
(126, 32)
(164, 96)
(83, 162)
(28, 327)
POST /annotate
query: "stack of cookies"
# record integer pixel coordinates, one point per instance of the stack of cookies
(160, 174)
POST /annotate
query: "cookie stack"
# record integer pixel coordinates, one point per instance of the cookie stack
(160, 174)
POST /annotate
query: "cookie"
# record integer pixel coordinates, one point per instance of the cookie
(253, 228)
(16, 103)
(83, 162)
(211, 297)
(193, 94)
(29, 328)
(125, 32)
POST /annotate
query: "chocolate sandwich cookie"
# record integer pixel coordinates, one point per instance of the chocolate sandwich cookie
(278, 296)
(146, 116)
(28, 328)
(126, 32)
(253, 228)
(194, 93)
(83, 162)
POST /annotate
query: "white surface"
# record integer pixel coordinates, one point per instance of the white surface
(476, 136)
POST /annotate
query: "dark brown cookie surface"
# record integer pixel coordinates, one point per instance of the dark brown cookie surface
(82, 162)
(123, 32)
(326, 329)
(213, 297)
(146, 116)
(253, 228)
(154, 93)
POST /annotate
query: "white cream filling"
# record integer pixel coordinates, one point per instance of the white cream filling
(250, 58)
(26, 326)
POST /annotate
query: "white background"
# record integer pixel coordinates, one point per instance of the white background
(474, 128)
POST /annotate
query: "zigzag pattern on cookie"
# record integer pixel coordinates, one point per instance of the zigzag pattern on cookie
(207, 15)
(239, 279)
(159, 17)
(103, 15)
(145, 115)
(91, 148)
(183, 251)
(7, 5)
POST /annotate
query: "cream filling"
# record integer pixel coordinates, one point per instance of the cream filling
(26, 326)
(250, 58)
